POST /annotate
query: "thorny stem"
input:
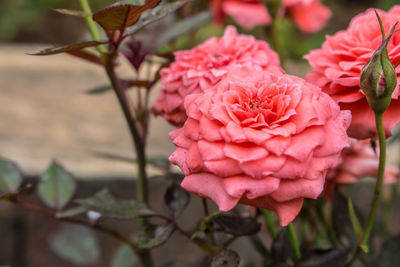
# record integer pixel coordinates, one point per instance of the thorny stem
(294, 242)
(377, 193)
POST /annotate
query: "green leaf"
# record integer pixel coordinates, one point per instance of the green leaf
(390, 255)
(124, 257)
(176, 199)
(183, 27)
(71, 212)
(56, 186)
(153, 235)
(119, 16)
(325, 258)
(226, 258)
(110, 206)
(99, 90)
(236, 225)
(10, 176)
(67, 48)
(70, 12)
(154, 15)
(354, 219)
(76, 244)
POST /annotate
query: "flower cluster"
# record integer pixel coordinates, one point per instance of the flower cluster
(202, 67)
(338, 64)
(309, 15)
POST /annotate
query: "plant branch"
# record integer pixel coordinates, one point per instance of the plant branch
(294, 242)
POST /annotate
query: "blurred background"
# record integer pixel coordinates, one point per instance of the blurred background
(46, 114)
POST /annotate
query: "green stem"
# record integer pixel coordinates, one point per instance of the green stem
(210, 225)
(269, 222)
(275, 8)
(327, 224)
(92, 25)
(378, 188)
(294, 242)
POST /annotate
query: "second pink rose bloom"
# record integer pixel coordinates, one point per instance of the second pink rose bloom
(260, 138)
(337, 67)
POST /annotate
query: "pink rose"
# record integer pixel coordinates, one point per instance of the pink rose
(246, 13)
(338, 64)
(359, 161)
(309, 15)
(199, 69)
(260, 138)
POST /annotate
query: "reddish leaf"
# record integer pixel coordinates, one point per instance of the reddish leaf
(119, 16)
(86, 56)
(67, 48)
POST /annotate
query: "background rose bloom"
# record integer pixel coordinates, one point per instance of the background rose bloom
(199, 69)
(261, 139)
(246, 13)
(338, 64)
(358, 161)
(309, 15)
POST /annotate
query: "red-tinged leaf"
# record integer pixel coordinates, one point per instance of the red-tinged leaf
(70, 12)
(86, 56)
(119, 16)
(67, 48)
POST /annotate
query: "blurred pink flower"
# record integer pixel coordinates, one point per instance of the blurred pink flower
(359, 161)
(260, 138)
(199, 69)
(309, 15)
(338, 64)
(246, 13)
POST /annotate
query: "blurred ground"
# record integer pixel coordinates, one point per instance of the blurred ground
(45, 114)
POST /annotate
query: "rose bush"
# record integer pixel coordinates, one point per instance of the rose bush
(338, 64)
(309, 15)
(260, 138)
(199, 69)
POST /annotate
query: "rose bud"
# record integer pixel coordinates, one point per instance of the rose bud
(378, 77)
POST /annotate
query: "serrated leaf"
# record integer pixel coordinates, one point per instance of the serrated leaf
(67, 48)
(280, 248)
(71, 212)
(10, 176)
(236, 225)
(119, 16)
(56, 186)
(110, 206)
(70, 12)
(325, 258)
(176, 199)
(76, 244)
(153, 235)
(124, 257)
(183, 27)
(390, 255)
(226, 258)
(154, 15)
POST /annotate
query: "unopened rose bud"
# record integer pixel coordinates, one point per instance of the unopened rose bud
(378, 77)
